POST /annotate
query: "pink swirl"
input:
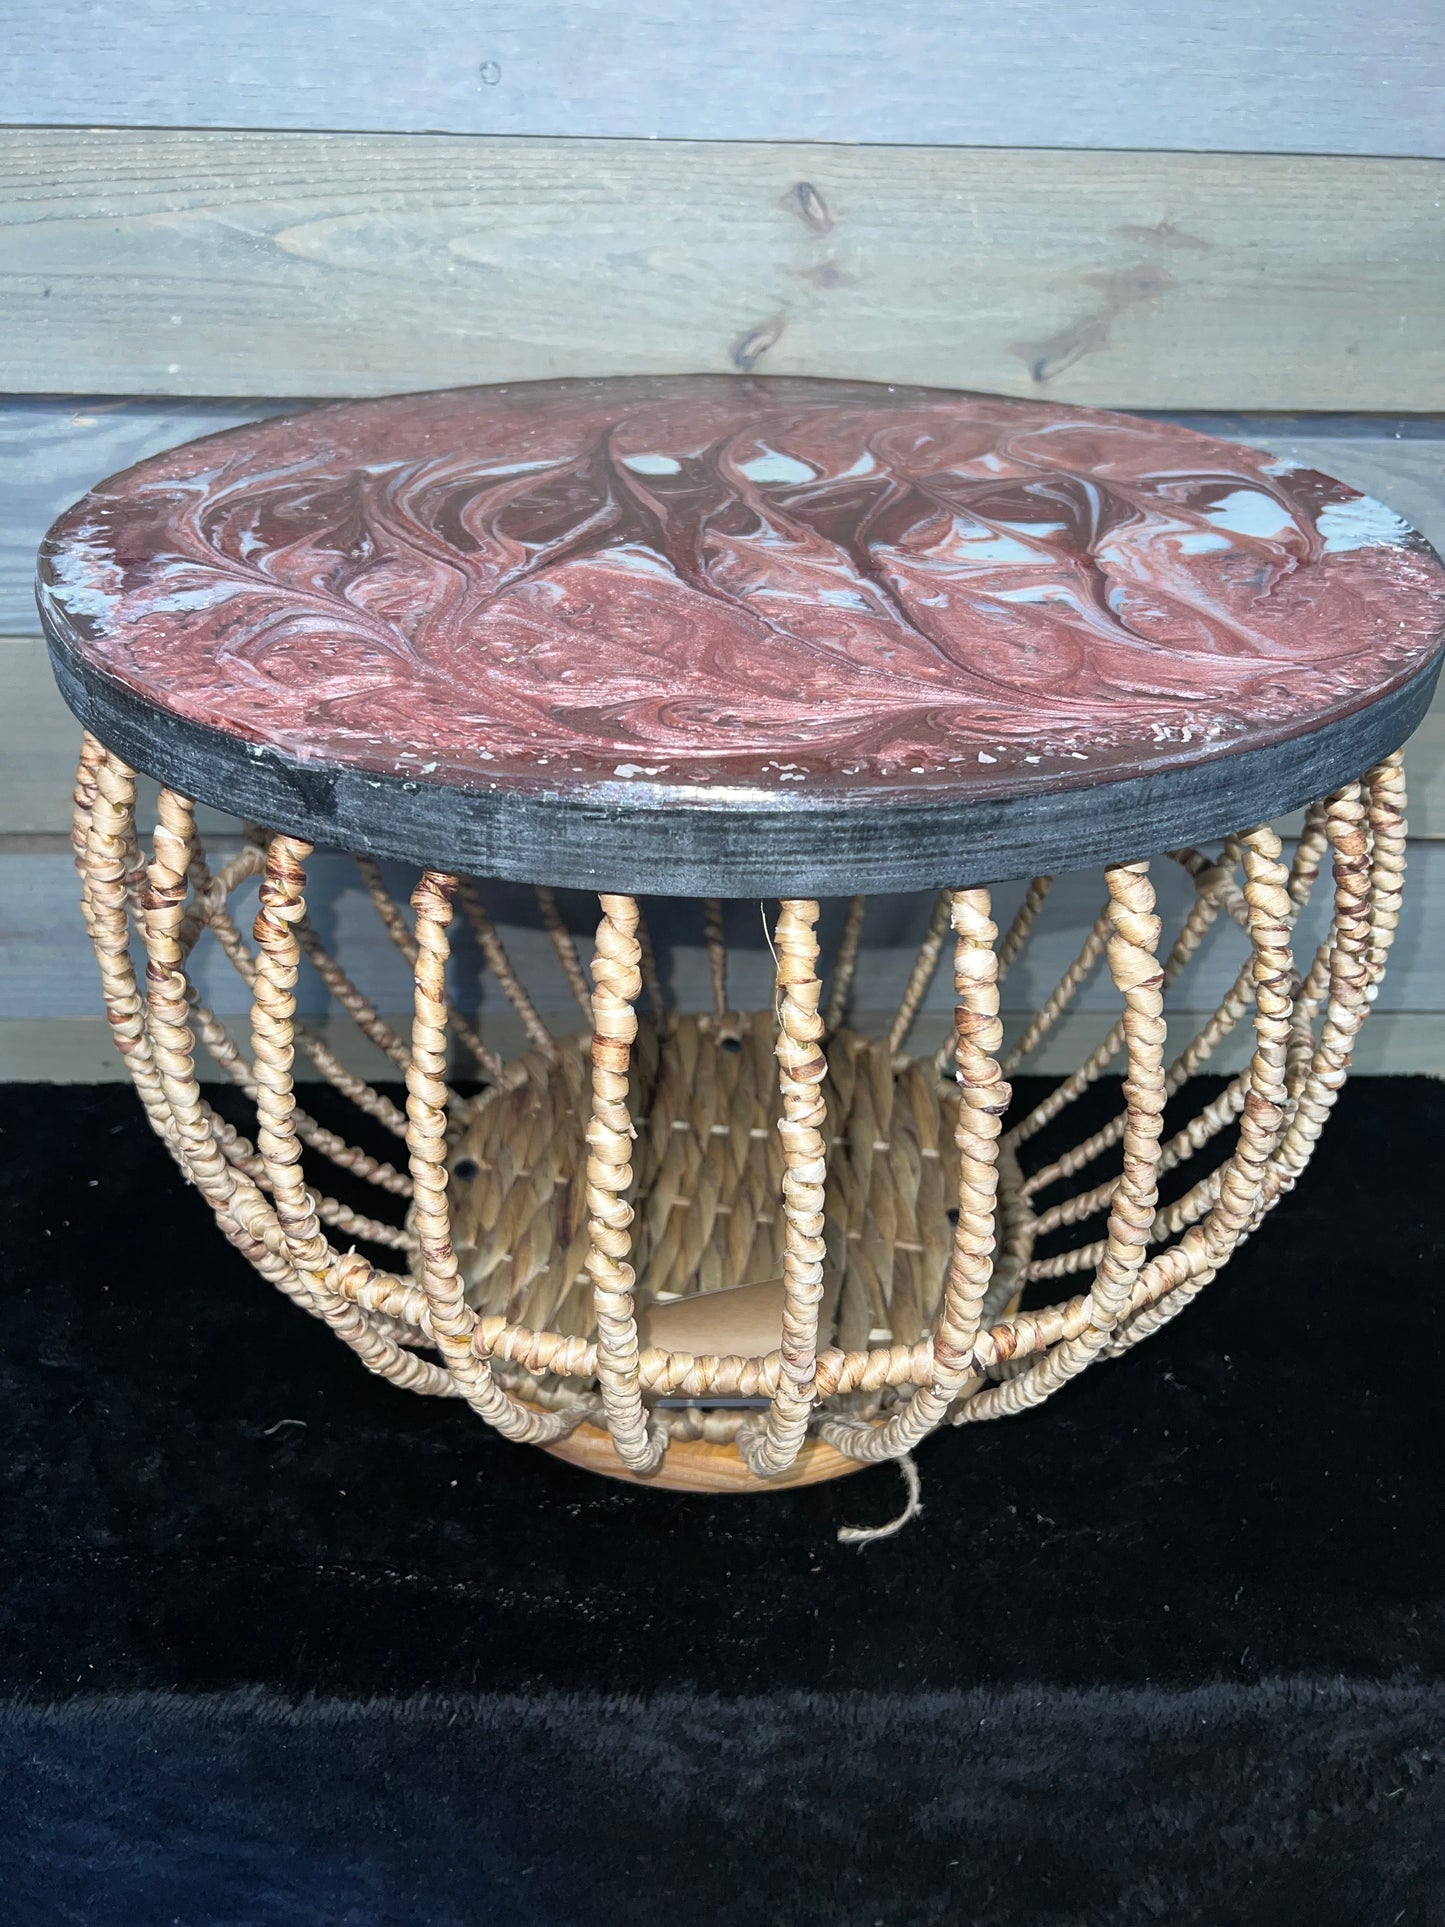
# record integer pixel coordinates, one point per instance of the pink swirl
(705, 583)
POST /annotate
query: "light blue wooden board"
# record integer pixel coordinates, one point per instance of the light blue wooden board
(47, 969)
(1292, 77)
(164, 261)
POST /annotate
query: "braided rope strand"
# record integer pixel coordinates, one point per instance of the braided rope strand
(616, 987)
(802, 1067)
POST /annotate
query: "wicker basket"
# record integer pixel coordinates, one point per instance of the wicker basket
(727, 1251)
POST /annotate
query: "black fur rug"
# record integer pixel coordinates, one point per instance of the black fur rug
(286, 1645)
(1289, 1803)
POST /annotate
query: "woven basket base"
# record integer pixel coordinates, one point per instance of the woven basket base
(708, 1170)
(697, 1465)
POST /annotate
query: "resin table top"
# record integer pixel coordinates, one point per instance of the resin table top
(708, 591)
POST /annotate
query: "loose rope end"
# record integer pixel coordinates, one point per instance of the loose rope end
(865, 1535)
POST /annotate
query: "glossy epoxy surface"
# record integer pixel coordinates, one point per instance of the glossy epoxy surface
(716, 587)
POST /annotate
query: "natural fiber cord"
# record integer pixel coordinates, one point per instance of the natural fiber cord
(601, 1179)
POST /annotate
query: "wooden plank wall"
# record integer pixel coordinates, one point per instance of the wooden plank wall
(1300, 77)
(203, 218)
(184, 263)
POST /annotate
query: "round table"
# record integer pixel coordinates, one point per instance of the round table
(721, 637)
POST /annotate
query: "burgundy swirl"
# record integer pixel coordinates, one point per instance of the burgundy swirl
(704, 583)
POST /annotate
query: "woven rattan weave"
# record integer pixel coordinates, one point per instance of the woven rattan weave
(521, 1230)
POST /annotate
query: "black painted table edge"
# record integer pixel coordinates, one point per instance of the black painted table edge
(765, 847)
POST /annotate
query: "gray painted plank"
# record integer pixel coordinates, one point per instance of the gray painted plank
(235, 264)
(47, 969)
(1300, 76)
(52, 450)
(80, 1050)
(38, 744)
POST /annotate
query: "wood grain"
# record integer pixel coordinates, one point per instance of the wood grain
(238, 263)
(693, 1465)
(1301, 76)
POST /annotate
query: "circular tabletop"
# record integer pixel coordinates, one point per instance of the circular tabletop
(739, 636)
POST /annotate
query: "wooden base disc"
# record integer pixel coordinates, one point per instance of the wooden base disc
(696, 1465)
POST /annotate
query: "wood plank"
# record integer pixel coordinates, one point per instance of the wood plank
(39, 741)
(79, 1050)
(235, 264)
(47, 969)
(1304, 76)
(53, 449)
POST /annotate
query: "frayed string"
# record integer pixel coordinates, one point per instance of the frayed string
(865, 1535)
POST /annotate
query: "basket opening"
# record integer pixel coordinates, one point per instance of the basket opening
(708, 1227)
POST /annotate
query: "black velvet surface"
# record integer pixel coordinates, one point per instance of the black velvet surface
(1000, 1807)
(1186, 1622)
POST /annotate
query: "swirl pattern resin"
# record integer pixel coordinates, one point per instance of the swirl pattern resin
(717, 587)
